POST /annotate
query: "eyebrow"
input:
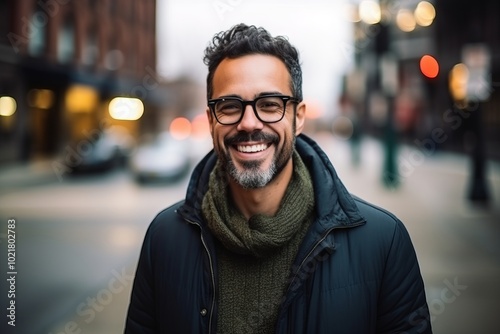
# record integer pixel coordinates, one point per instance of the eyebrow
(258, 95)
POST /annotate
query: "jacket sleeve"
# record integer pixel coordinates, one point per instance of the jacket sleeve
(140, 317)
(402, 304)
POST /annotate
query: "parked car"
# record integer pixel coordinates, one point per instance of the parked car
(162, 159)
(102, 151)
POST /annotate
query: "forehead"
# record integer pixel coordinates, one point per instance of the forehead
(250, 75)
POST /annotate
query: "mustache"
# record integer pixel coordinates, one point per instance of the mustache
(243, 136)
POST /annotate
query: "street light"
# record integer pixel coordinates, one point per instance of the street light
(126, 108)
(369, 12)
(425, 13)
(8, 106)
(406, 20)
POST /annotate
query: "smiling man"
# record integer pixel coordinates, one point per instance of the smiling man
(268, 240)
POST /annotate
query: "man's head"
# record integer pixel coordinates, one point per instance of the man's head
(244, 40)
(255, 109)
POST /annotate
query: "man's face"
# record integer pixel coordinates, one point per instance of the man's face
(251, 151)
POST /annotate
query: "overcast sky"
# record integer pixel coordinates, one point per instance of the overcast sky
(318, 28)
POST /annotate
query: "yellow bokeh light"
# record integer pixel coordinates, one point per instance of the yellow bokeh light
(406, 20)
(459, 76)
(425, 13)
(126, 108)
(8, 106)
(41, 98)
(81, 98)
(369, 12)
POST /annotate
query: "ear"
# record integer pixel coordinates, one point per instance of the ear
(300, 118)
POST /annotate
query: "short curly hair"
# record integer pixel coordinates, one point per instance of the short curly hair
(243, 40)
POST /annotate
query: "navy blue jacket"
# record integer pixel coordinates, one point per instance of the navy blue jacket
(356, 270)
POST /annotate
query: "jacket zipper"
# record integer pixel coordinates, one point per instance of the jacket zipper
(316, 246)
(312, 250)
(211, 273)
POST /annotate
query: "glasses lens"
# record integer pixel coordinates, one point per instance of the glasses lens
(228, 111)
(270, 109)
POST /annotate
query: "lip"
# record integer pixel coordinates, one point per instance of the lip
(250, 150)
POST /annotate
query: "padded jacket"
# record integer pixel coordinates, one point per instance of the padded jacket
(356, 270)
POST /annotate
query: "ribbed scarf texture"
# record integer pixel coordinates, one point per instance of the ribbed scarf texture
(255, 256)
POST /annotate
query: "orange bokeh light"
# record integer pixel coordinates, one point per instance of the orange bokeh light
(180, 128)
(313, 110)
(200, 127)
(429, 66)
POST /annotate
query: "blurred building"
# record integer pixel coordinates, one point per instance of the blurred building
(61, 64)
(431, 69)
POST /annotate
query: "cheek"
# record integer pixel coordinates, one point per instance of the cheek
(218, 136)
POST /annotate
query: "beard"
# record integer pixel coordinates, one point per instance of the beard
(251, 175)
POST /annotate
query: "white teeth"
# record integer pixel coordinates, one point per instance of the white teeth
(252, 148)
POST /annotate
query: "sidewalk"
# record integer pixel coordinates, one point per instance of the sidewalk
(23, 175)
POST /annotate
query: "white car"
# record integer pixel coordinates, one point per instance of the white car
(162, 159)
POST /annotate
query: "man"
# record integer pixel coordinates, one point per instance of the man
(268, 240)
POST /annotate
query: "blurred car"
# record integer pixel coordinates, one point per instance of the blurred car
(104, 151)
(162, 159)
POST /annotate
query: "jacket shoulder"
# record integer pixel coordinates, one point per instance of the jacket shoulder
(167, 227)
(383, 230)
(376, 215)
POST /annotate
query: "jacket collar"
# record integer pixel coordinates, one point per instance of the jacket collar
(334, 205)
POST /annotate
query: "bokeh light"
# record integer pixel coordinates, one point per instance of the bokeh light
(126, 108)
(425, 13)
(459, 75)
(405, 20)
(429, 66)
(180, 128)
(8, 106)
(369, 12)
(199, 127)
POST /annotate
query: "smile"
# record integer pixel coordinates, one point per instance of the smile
(252, 148)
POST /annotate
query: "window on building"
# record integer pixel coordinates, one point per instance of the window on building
(38, 39)
(66, 42)
(4, 24)
(90, 49)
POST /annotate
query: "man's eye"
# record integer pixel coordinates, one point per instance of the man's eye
(228, 107)
(269, 105)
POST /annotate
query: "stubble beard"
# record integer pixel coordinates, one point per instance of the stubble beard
(250, 175)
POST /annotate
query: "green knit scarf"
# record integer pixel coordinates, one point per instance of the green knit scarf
(255, 256)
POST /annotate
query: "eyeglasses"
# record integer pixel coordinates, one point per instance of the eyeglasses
(267, 108)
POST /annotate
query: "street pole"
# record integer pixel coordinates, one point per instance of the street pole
(478, 189)
(390, 172)
(477, 58)
(389, 78)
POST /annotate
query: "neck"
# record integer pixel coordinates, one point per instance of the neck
(265, 200)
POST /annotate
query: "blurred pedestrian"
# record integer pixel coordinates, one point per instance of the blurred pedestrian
(268, 240)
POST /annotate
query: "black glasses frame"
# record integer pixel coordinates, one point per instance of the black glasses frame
(245, 103)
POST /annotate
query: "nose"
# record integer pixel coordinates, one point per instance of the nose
(249, 122)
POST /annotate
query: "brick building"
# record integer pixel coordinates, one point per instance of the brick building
(62, 61)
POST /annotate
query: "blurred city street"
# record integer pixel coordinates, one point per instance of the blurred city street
(78, 240)
(103, 115)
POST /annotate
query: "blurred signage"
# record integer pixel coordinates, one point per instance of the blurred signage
(477, 58)
(389, 71)
(411, 48)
